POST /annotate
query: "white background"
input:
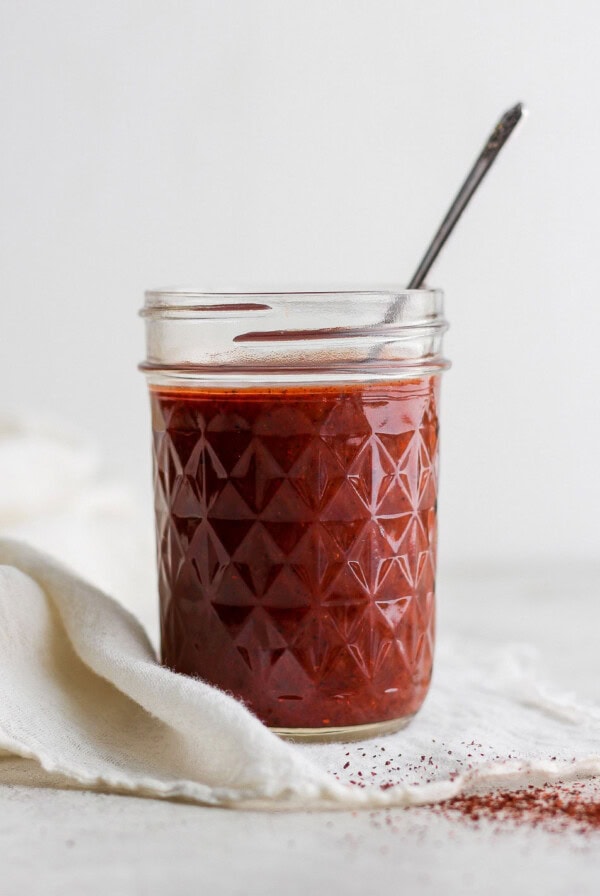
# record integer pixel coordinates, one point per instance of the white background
(221, 144)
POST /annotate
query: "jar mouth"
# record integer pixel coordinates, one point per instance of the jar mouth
(174, 299)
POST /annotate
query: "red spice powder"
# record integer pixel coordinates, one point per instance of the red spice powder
(561, 807)
(554, 808)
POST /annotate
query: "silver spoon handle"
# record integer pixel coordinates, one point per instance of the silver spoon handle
(484, 162)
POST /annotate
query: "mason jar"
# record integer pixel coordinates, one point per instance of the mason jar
(295, 454)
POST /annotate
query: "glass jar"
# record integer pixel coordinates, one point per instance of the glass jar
(295, 475)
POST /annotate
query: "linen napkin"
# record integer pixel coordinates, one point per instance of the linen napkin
(82, 694)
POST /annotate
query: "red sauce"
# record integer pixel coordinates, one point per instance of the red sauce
(296, 532)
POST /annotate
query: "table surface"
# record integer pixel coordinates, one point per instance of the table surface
(70, 841)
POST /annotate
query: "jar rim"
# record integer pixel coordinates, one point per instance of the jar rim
(186, 298)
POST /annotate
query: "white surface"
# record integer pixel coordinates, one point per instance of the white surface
(219, 143)
(58, 841)
(69, 843)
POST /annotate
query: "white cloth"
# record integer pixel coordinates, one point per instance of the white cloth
(55, 496)
(82, 694)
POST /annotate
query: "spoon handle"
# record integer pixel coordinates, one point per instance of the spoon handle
(496, 141)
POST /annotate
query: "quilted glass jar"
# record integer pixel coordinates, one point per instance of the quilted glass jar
(295, 449)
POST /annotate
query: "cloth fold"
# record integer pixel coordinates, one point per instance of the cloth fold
(82, 693)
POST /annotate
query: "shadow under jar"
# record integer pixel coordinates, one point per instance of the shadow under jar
(295, 449)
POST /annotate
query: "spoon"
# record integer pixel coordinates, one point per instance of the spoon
(487, 157)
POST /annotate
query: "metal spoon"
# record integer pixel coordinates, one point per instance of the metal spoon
(496, 141)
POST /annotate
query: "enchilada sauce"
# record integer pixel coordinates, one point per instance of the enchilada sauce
(296, 533)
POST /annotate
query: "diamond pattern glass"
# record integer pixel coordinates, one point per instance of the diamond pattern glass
(296, 532)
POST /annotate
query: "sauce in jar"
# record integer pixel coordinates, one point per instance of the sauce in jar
(296, 531)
